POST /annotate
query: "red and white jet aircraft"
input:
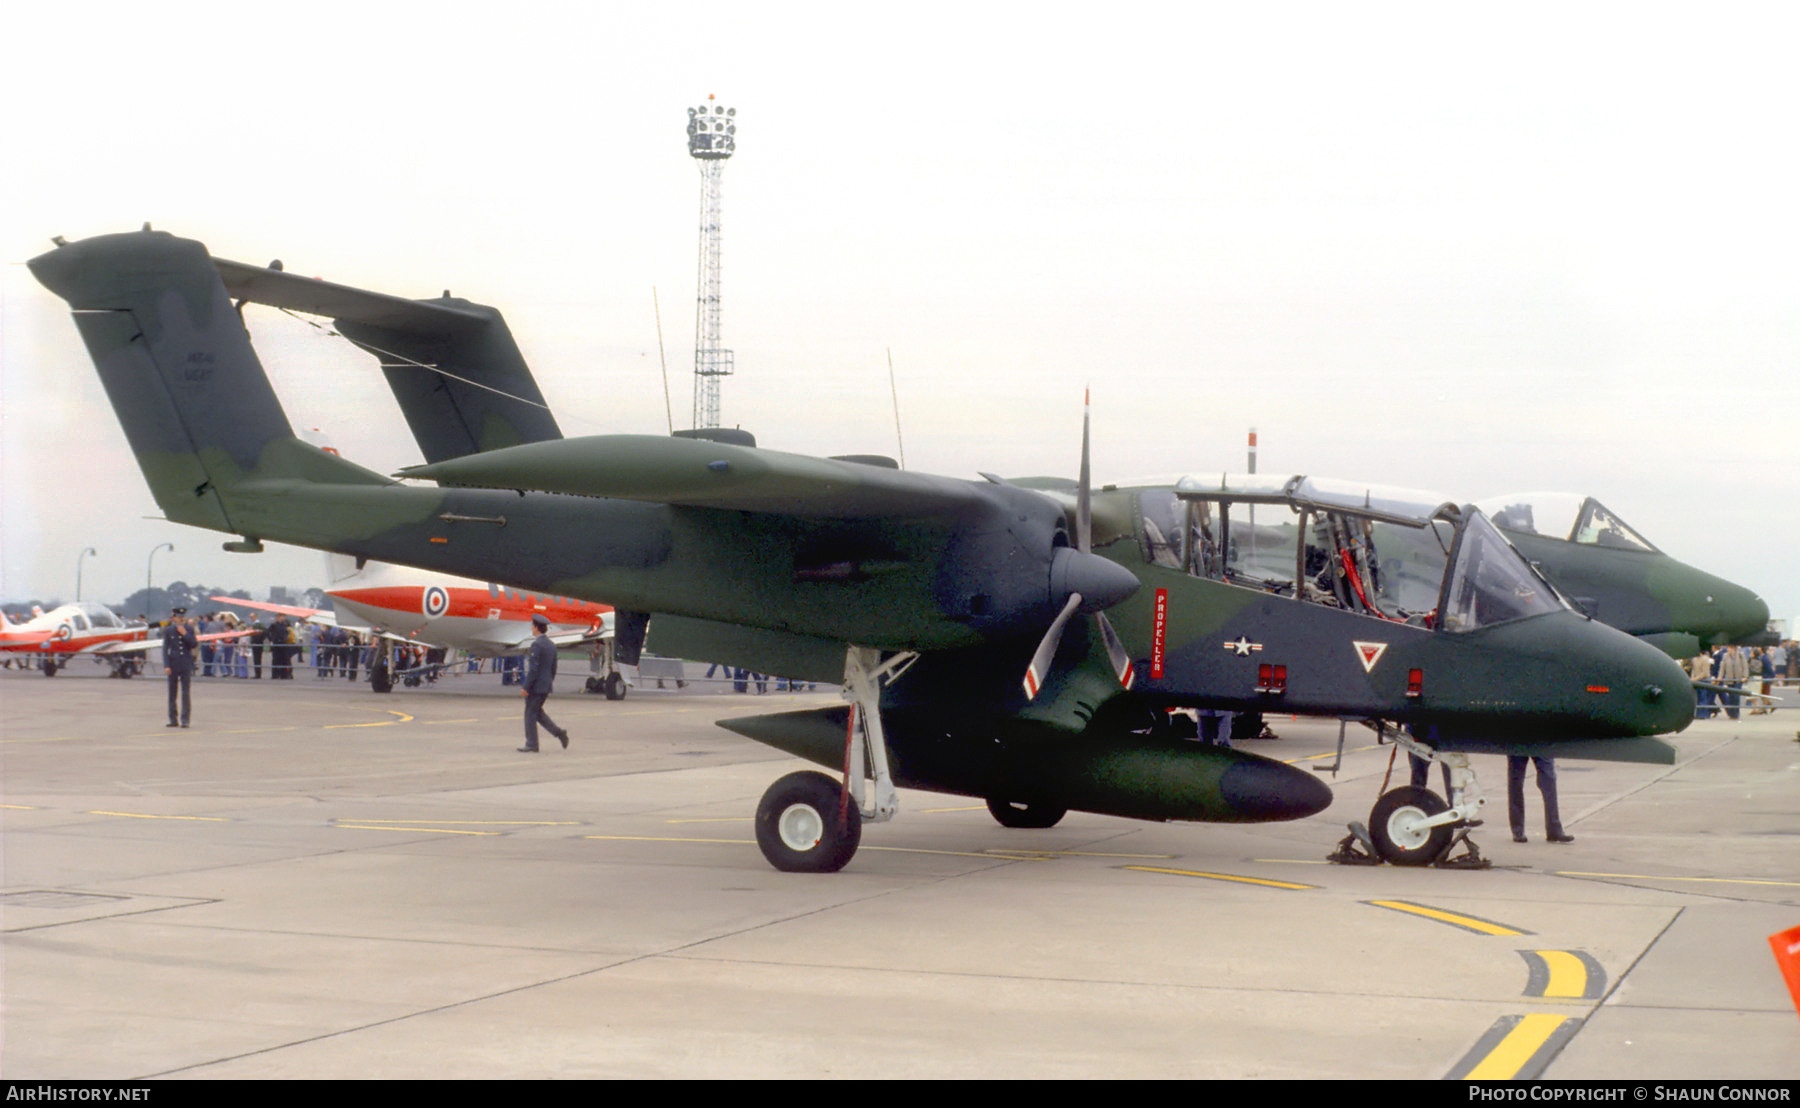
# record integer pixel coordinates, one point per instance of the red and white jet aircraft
(64, 632)
(431, 609)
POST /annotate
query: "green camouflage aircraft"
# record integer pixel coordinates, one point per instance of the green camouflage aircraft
(1023, 642)
(1611, 572)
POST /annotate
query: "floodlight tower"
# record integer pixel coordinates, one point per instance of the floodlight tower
(712, 136)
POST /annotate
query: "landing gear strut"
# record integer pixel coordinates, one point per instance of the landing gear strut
(808, 823)
(1413, 826)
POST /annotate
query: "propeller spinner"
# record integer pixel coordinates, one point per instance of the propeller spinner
(1092, 583)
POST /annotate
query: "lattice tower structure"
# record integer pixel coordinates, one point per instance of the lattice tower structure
(712, 137)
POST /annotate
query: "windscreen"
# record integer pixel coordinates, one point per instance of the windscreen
(1490, 583)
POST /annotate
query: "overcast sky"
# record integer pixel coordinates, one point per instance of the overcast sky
(1477, 249)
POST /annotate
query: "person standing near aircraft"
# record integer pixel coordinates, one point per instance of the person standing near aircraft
(179, 644)
(1734, 670)
(278, 649)
(1515, 798)
(1700, 668)
(540, 675)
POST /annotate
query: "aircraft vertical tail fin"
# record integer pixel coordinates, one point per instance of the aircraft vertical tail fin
(461, 392)
(178, 366)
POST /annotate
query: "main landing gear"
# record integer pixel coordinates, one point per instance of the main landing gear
(809, 823)
(1413, 826)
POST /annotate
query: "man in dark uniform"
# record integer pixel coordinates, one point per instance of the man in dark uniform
(1515, 797)
(258, 635)
(179, 643)
(280, 661)
(540, 675)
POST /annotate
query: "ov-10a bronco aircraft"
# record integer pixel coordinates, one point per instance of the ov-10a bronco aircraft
(1020, 642)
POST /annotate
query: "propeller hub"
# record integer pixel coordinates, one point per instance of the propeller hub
(1101, 582)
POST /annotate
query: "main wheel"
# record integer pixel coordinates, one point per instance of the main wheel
(798, 824)
(1394, 824)
(379, 678)
(49, 667)
(1012, 813)
(615, 686)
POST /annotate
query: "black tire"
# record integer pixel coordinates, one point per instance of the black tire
(798, 825)
(379, 679)
(49, 667)
(1396, 840)
(615, 686)
(592, 685)
(1012, 813)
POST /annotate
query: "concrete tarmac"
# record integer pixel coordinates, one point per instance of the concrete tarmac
(315, 881)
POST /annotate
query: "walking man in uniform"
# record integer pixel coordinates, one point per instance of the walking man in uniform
(540, 675)
(179, 644)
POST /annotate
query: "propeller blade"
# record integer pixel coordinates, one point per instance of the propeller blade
(1084, 520)
(1115, 652)
(1046, 651)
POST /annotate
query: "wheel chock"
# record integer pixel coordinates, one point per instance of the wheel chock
(1355, 849)
(1470, 858)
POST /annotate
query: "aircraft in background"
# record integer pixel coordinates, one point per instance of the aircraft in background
(435, 609)
(1610, 571)
(979, 627)
(69, 631)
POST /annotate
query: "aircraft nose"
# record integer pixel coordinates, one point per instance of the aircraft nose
(1741, 612)
(1101, 582)
(1643, 690)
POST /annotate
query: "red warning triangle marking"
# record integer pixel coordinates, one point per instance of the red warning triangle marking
(1370, 653)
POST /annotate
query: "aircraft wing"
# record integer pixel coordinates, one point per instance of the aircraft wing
(139, 647)
(702, 474)
(315, 615)
(581, 638)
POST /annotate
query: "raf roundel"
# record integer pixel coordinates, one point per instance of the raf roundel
(437, 601)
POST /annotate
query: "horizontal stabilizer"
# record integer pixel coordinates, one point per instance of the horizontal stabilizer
(700, 474)
(279, 289)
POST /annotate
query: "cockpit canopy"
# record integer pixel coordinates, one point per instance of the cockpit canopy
(1566, 516)
(1402, 555)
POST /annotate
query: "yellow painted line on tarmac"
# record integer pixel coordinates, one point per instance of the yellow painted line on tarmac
(258, 730)
(990, 855)
(429, 722)
(477, 822)
(21, 807)
(715, 819)
(667, 839)
(1103, 854)
(404, 718)
(1665, 877)
(427, 830)
(970, 808)
(1562, 975)
(1333, 754)
(144, 815)
(1522, 1042)
(1222, 877)
(1467, 923)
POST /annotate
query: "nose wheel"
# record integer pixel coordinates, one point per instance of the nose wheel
(1399, 827)
(803, 824)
